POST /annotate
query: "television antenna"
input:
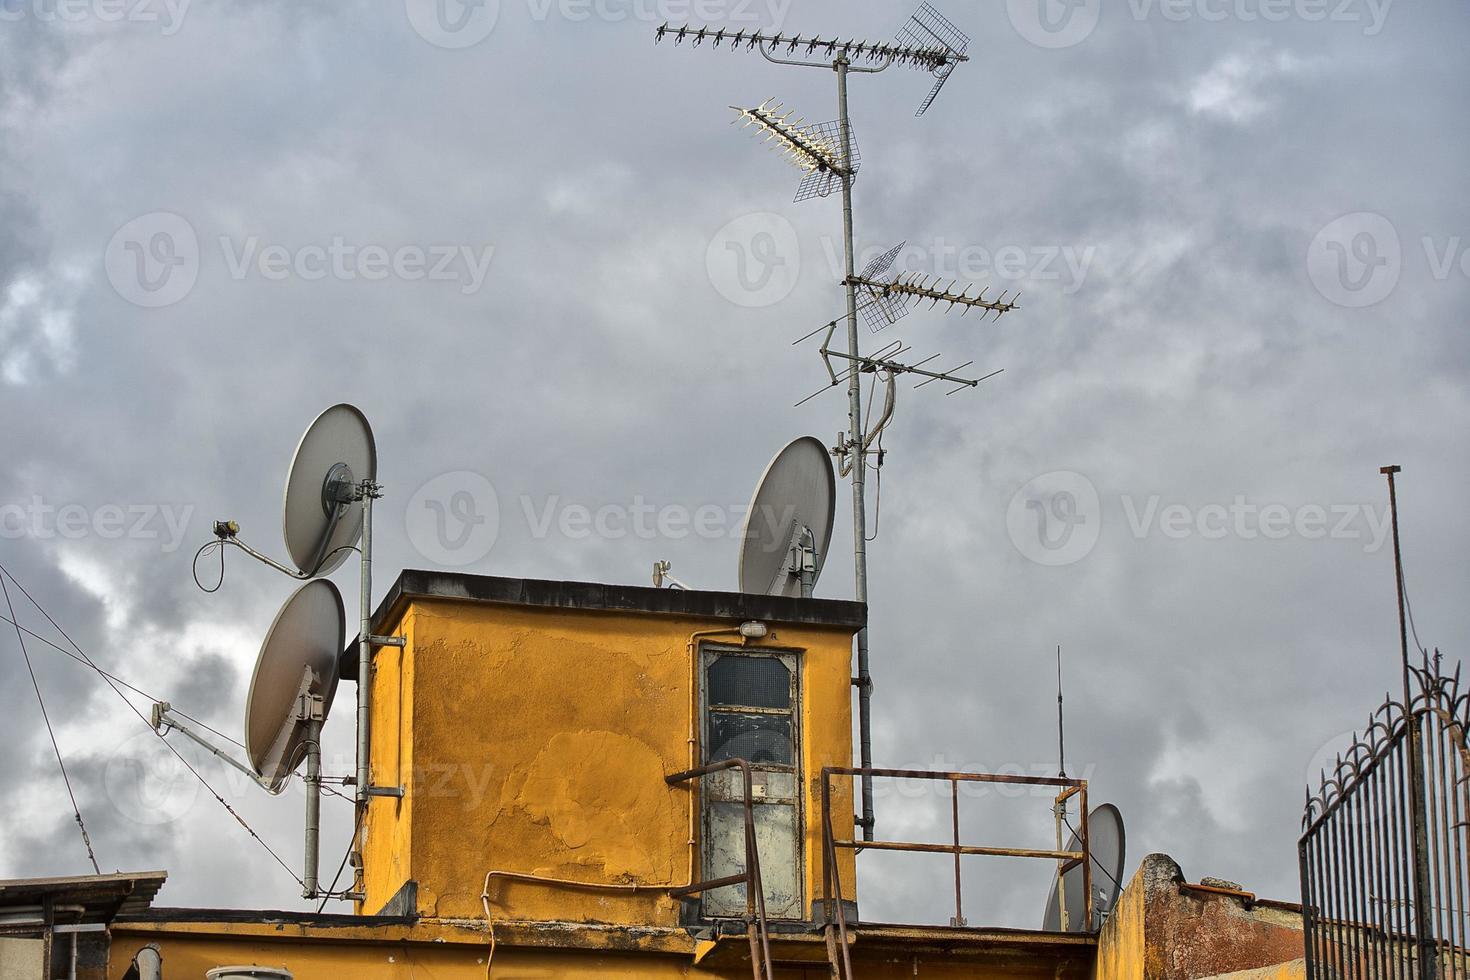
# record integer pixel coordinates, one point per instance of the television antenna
(327, 512)
(783, 543)
(828, 153)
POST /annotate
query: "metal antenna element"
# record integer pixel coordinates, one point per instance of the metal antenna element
(927, 56)
(928, 27)
(884, 361)
(828, 153)
(817, 149)
(885, 298)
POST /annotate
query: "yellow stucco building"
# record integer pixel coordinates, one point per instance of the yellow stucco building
(535, 812)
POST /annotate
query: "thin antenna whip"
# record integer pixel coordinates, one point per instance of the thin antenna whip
(1061, 720)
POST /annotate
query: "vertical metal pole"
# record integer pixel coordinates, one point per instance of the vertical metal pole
(806, 555)
(1309, 929)
(313, 806)
(1089, 912)
(859, 460)
(364, 674)
(954, 802)
(1059, 811)
(1418, 803)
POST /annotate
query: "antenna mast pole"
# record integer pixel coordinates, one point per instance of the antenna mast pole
(1418, 796)
(929, 43)
(859, 461)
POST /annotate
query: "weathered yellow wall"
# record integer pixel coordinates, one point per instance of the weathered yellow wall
(536, 740)
(1163, 929)
(1121, 948)
(432, 951)
(387, 850)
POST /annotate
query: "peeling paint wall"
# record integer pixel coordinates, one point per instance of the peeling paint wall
(1163, 930)
(451, 953)
(536, 740)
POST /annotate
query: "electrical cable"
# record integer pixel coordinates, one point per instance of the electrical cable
(5, 572)
(45, 717)
(332, 888)
(219, 546)
(1094, 861)
(1409, 608)
(877, 491)
(113, 677)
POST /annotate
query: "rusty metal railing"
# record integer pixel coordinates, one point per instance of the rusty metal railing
(755, 893)
(831, 880)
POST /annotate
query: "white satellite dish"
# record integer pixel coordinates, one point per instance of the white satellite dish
(789, 523)
(1108, 846)
(299, 656)
(322, 520)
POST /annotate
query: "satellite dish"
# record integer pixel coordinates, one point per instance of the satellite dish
(1108, 845)
(321, 520)
(796, 495)
(307, 635)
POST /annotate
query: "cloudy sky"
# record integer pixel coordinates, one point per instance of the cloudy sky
(528, 243)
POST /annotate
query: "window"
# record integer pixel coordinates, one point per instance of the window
(750, 702)
(750, 710)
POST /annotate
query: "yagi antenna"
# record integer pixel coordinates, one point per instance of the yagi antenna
(817, 149)
(828, 153)
(884, 296)
(929, 27)
(929, 57)
(883, 361)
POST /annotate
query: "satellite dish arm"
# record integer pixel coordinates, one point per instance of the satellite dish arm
(165, 719)
(227, 533)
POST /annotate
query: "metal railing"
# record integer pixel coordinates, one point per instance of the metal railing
(755, 893)
(1384, 842)
(831, 879)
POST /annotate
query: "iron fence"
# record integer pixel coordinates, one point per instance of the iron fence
(1383, 872)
